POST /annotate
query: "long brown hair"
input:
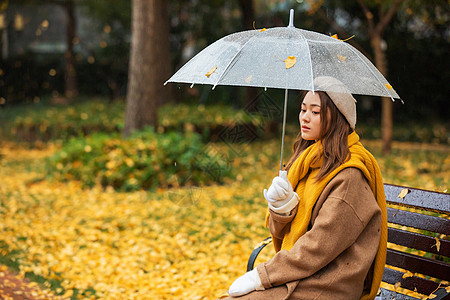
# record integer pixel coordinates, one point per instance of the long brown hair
(333, 135)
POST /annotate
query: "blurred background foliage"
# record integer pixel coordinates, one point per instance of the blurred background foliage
(416, 45)
(35, 109)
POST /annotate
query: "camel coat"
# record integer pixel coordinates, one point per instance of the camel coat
(333, 258)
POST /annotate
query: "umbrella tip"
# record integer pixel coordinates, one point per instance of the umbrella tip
(291, 18)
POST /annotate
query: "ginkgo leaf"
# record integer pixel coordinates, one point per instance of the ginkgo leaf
(389, 87)
(431, 296)
(336, 37)
(447, 289)
(290, 61)
(342, 58)
(437, 245)
(403, 193)
(211, 71)
(397, 285)
(407, 274)
(264, 29)
(224, 295)
(68, 294)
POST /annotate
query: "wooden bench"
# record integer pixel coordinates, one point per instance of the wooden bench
(418, 256)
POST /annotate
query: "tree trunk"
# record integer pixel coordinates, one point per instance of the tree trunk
(386, 105)
(376, 33)
(149, 64)
(71, 86)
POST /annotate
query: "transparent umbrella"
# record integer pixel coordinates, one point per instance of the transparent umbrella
(285, 58)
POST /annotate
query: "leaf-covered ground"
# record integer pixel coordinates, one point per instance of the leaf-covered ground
(187, 243)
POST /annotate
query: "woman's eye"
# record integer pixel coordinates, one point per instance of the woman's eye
(316, 112)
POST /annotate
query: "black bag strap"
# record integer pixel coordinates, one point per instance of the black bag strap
(255, 253)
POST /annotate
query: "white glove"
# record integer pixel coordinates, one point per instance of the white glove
(280, 195)
(245, 284)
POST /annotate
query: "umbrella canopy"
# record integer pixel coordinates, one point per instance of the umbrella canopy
(286, 58)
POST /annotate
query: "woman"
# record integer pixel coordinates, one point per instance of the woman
(327, 211)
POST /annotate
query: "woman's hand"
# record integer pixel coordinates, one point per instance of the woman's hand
(280, 195)
(245, 284)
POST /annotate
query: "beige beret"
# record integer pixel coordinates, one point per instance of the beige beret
(340, 96)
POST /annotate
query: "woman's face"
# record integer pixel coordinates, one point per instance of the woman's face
(309, 117)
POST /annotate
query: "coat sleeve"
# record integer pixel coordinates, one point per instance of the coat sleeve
(339, 222)
(279, 224)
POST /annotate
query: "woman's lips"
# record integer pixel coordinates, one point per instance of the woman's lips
(305, 128)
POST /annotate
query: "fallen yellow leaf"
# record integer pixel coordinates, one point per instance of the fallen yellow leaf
(397, 285)
(403, 193)
(290, 61)
(336, 37)
(68, 294)
(224, 295)
(342, 58)
(407, 274)
(437, 245)
(248, 79)
(389, 87)
(447, 289)
(264, 29)
(211, 71)
(431, 296)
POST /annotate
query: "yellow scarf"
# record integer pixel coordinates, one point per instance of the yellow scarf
(305, 169)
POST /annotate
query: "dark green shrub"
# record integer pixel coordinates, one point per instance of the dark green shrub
(417, 132)
(178, 115)
(45, 123)
(146, 160)
(214, 123)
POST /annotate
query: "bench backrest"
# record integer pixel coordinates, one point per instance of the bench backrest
(421, 221)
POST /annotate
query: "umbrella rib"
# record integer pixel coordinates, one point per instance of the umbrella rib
(371, 71)
(310, 63)
(226, 68)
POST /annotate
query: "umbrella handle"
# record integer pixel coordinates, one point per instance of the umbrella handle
(284, 128)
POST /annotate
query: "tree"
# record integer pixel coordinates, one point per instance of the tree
(71, 87)
(149, 64)
(375, 32)
(375, 29)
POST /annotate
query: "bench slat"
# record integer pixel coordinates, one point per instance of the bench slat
(423, 286)
(435, 201)
(418, 241)
(441, 294)
(390, 295)
(418, 264)
(419, 221)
